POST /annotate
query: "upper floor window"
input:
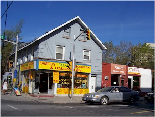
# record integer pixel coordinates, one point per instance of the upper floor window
(86, 54)
(60, 52)
(66, 33)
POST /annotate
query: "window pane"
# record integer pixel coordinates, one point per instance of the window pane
(86, 57)
(59, 49)
(58, 56)
(86, 53)
(123, 89)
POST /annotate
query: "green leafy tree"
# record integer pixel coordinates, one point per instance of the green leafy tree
(142, 56)
(7, 47)
(118, 54)
(123, 52)
(109, 54)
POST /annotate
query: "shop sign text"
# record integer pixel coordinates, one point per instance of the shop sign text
(55, 77)
(63, 67)
(27, 66)
(75, 91)
(133, 70)
(118, 69)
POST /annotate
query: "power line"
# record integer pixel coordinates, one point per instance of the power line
(6, 9)
(5, 19)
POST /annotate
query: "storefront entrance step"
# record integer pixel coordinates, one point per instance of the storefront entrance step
(41, 95)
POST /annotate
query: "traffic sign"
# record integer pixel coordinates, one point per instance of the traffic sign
(2, 37)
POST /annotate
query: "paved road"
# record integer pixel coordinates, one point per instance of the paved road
(27, 106)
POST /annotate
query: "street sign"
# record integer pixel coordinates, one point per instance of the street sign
(2, 37)
(15, 73)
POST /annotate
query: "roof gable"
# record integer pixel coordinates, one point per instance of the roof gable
(51, 31)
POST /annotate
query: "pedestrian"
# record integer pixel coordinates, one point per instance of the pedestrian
(5, 84)
(116, 90)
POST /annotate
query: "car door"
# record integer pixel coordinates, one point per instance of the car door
(119, 95)
(116, 95)
(126, 93)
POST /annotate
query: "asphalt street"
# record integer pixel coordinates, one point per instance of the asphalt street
(26, 105)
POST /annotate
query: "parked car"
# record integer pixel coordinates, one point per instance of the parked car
(112, 94)
(149, 96)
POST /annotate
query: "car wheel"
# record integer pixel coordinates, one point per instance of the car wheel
(104, 100)
(132, 100)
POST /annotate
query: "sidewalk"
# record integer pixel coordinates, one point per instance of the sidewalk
(52, 98)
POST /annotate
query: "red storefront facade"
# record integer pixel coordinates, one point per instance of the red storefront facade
(114, 75)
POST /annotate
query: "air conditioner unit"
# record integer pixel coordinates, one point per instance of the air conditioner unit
(106, 77)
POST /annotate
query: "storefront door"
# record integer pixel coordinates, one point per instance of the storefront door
(92, 83)
(130, 82)
(122, 82)
(43, 86)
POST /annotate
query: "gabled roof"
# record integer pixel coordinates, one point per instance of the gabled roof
(76, 18)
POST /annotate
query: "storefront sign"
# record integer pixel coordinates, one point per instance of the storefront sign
(63, 66)
(83, 68)
(53, 66)
(55, 77)
(27, 66)
(133, 70)
(75, 91)
(77, 75)
(118, 69)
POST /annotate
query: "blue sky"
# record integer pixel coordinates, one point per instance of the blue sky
(109, 20)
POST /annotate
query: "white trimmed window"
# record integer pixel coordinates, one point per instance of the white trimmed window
(86, 54)
(60, 52)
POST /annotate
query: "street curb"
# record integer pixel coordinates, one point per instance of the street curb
(34, 95)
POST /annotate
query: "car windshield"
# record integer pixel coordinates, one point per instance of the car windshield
(106, 89)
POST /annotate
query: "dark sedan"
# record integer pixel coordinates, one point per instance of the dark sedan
(112, 94)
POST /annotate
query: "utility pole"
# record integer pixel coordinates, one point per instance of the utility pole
(16, 53)
(73, 62)
(73, 67)
(15, 63)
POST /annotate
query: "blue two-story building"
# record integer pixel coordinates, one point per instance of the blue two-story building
(44, 65)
